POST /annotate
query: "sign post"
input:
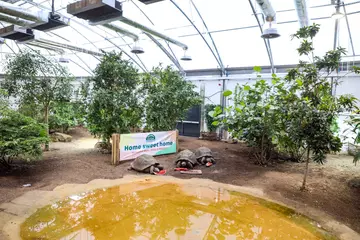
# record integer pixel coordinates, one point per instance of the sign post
(115, 153)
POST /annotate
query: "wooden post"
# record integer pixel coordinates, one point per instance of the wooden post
(177, 140)
(115, 153)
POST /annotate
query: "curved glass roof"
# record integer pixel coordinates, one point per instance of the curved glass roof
(234, 42)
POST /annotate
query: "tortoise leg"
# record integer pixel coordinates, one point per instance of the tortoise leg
(213, 160)
(152, 168)
(189, 165)
(178, 164)
(203, 160)
(156, 170)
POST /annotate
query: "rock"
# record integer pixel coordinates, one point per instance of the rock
(103, 147)
(354, 183)
(60, 137)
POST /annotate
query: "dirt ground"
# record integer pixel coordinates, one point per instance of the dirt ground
(79, 162)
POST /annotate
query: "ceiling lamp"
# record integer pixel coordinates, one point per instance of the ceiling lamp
(137, 49)
(337, 15)
(186, 57)
(63, 60)
(270, 31)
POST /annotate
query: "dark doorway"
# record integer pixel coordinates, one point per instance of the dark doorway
(191, 125)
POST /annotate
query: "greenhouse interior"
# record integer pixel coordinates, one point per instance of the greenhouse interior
(250, 108)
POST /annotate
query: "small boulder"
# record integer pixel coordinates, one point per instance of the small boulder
(354, 183)
(60, 137)
(103, 147)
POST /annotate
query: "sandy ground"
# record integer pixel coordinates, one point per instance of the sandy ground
(79, 162)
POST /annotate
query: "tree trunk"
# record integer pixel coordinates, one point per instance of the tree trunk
(303, 187)
(46, 121)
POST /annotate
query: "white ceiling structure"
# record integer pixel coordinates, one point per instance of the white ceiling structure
(219, 34)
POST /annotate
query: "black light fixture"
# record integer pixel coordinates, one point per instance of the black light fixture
(137, 49)
(270, 32)
(186, 57)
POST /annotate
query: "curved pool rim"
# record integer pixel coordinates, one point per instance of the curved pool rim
(24, 206)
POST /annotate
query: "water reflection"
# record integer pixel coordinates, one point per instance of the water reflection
(167, 211)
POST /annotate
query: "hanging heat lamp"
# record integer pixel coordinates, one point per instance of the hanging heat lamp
(270, 31)
(337, 14)
(137, 49)
(186, 57)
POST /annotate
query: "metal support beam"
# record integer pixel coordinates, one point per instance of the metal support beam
(16, 21)
(210, 36)
(47, 47)
(174, 60)
(200, 34)
(22, 13)
(152, 23)
(267, 43)
(348, 28)
(122, 31)
(153, 32)
(88, 28)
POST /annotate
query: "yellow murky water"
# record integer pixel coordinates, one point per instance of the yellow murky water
(150, 210)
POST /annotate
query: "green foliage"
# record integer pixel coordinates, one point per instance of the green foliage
(335, 128)
(254, 117)
(114, 102)
(227, 93)
(4, 103)
(62, 116)
(209, 112)
(34, 78)
(168, 98)
(307, 32)
(36, 81)
(295, 115)
(20, 136)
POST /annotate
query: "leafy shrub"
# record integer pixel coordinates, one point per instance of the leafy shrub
(62, 117)
(209, 108)
(168, 98)
(20, 136)
(254, 117)
(4, 103)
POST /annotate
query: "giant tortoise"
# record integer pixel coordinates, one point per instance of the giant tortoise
(204, 155)
(147, 164)
(185, 159)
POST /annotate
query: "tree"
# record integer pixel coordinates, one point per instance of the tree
(36, 80)
(317, 107)
(295, 114)
(168, 98)
(115, 99)
(20, 136)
